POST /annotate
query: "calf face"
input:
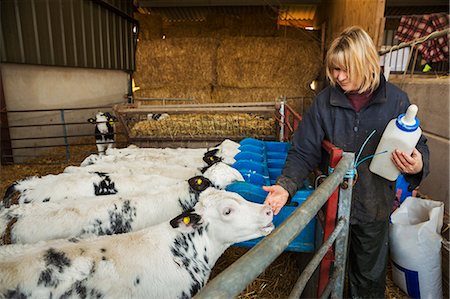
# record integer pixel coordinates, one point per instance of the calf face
(232, 218)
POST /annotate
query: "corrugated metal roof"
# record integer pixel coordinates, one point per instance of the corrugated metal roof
(298, 12)
(192, 3)
(199, 14)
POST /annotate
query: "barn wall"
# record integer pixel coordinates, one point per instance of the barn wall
(432, 98)
(340, 14)
(28, 87)
(225, 59)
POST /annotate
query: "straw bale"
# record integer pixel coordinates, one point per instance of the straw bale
(232, 95)
(267, 62)
(150, 26)
(206, 125)
(173, 61)
(198, 94)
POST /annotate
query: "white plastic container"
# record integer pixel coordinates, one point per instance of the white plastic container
(401, 133)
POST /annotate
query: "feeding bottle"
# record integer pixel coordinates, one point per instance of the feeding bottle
(401, 133)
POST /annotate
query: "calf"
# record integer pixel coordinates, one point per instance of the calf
(225, 151)
(171, 260)
(104, 131)
(109, 215)
(152, 162)
(71, 186)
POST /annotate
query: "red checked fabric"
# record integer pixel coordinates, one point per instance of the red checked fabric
(414, 27)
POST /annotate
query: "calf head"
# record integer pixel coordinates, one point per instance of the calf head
(103, 121)
(221, 175)
(230, 218)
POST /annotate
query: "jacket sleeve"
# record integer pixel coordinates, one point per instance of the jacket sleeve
(415, 179)
(305, 153)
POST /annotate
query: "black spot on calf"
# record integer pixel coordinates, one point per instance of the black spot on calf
(120, 221)
(15, 294)
(197, 267)
(105, 186)
(55, 262)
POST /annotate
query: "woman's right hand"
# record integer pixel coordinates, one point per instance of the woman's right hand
(277, 197)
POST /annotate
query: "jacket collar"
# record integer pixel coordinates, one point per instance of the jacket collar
(338, 97)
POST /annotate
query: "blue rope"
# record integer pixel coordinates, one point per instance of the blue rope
(351, 173)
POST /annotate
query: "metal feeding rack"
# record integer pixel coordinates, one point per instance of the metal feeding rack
(198, 125)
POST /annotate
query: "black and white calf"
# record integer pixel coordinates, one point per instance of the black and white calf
(104, 131)
(72, 186)
(112, 214)
(171, 260)
(157, 116)
(169, 165)
(225, 152)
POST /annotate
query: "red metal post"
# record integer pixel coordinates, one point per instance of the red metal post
(331, 206)
(330, 219)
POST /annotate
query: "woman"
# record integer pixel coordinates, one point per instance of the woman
(358, 101)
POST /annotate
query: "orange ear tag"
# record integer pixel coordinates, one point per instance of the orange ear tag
(186, 220)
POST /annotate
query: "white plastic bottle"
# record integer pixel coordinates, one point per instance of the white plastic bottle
(401, 133)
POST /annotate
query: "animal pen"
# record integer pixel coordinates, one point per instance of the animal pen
(200, 125)
(204, 125)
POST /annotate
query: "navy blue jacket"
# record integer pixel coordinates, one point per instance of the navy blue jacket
(332, 117)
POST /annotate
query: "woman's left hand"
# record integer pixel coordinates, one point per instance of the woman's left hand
(408, 164)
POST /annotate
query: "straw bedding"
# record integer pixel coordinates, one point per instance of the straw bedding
(206, 125)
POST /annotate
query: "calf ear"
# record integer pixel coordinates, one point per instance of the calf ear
(199, 183)
(211, 160)
(186, 219)
(91, 120)
(211, 152)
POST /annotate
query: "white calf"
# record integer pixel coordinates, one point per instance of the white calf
(138, 167)
(71, 186)
(112, 214)
(225, 152)
(171, 260)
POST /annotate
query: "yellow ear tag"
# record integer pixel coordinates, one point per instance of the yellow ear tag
(199, 181)
(211, 158)
(186, 220)
(111, 122)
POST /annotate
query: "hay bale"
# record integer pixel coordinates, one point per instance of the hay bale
(150, 26)
(267, 62)
(186, 61)
(225, 59)
(233, 94)
(199, 95)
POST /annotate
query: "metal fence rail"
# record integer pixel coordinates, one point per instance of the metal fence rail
(404, 56)
(236, 277)
(10, 153)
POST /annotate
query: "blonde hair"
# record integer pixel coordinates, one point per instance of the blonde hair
(354, 52)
